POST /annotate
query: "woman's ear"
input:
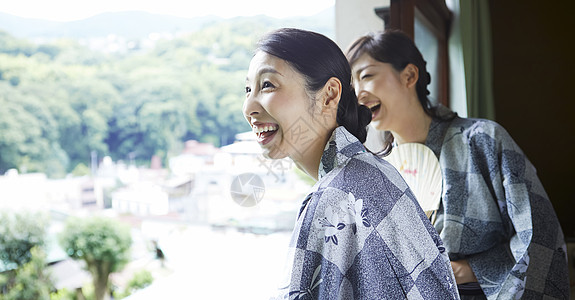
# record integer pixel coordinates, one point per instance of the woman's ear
(331, 93)
(410, 75)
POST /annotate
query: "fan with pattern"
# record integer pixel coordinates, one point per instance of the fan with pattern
(420, 168)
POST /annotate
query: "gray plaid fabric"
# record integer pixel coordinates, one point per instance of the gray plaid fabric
(495, 212)
(361, 234)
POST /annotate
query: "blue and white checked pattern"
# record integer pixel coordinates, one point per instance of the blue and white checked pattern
(362, 235)
(495, 212)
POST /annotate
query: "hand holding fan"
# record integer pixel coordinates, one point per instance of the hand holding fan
(420, 168)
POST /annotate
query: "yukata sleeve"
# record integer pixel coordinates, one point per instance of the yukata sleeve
(538, 266)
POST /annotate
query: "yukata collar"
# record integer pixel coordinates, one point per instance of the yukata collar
(435, 136)
(341, 146)
(438, 129)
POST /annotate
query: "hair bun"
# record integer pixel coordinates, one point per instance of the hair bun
(363, 119)
(364, 115)
(425, 82)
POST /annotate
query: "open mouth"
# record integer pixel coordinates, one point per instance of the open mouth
(374, 110)
(265, 133)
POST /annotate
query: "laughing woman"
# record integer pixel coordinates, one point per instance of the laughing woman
(354, 238)
(496, 221)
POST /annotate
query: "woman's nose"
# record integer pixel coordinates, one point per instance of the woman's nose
(251, 107)
(358, 88)
(361, 96)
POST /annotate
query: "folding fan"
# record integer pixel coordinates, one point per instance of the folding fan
(420, 168)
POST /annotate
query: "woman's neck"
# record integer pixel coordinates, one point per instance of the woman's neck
(415, 127)
(309, 161)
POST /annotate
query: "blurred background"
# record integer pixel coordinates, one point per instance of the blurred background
(131, 112)
(121, 132)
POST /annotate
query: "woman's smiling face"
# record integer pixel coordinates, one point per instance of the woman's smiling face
(278, 108)
(379, 87)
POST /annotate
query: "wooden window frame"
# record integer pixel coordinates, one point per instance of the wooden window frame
(437, 17)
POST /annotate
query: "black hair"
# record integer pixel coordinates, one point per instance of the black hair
(318, 59)
(399, 50)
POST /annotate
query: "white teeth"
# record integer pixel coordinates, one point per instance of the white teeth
(370, 106)
(257, 129)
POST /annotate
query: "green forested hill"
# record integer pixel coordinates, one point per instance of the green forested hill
(60, 100)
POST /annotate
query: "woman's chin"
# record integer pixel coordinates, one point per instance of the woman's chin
(273, 153)
(378, 125)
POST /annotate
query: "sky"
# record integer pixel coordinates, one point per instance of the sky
(70, 10)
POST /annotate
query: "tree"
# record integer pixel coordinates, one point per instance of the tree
(151, 120)
(28, 134)
(93, 102)
(19, 233)
(102, 243)
(30, 281)
(140, 280)
(14, 46)
(60, 101)
(22, 236)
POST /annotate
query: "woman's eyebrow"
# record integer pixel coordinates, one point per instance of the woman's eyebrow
(267, 70)
(358, 71)
(264, 71)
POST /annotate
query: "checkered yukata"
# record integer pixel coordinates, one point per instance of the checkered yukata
(495, 212)
(361, 234)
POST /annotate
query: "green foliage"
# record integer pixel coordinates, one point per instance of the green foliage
(84, 293)
(140, 280)
(81, 170)
(28, 133)
(102, 243)
(60, 101)
(19, 233)
(13, 46)
(30, 281)
(63, 294)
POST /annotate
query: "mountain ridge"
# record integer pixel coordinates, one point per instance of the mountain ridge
(130, 24)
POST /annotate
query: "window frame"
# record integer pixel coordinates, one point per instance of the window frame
(435, 15)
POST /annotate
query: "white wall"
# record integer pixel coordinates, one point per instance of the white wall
(354, 18)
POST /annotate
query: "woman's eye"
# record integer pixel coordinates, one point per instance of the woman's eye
(364, 76)
(267, 85)
(248, 89)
